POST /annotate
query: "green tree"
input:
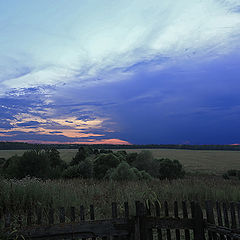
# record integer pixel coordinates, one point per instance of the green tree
(10, 168)
(170, 169)
(131, 157)
(103, 163)
(82, 154)
(34, 163)
(54, 157)
(124, 172)
(145, 162)
(82, 170)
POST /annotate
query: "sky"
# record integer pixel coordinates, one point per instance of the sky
(120, 72)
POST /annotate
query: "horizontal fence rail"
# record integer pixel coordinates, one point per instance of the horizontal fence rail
(150, 221)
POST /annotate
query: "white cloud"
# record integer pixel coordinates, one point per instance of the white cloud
(81, 42)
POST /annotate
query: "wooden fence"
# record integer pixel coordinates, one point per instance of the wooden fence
(151, 221)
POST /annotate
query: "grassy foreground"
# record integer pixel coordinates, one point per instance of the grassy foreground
(19, 195)
(201, 161)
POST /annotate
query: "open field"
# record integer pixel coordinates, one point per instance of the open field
(201, 161)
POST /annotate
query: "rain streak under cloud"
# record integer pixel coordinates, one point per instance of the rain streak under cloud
(120, 72)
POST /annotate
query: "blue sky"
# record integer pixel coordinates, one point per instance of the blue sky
(106, 71)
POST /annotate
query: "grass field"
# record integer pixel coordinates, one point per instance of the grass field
(20, 195)
(212, 162)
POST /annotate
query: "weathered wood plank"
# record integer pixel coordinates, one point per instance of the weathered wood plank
(114, 216)
(158, 213)
(29, 217)
(92, 217)
(230, 233)
(169, 223)
(114, 210)
(51, 216)
(185, 215)
(199, 233)
(219, 216)
(97, 228)
(39, 215)
(192, 205)
(82, 213)
(126, 210)
(61, 214)
(238, 213)
(233, 215)
(72, 214)
(148, 213)
(167, 215)
(226, 219)
(177, 231)
(210, 219)
(7, 219)
(137, 233)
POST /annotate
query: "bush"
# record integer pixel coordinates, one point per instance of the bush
(54, 158)
(169, 169)
(131, 157)
(103, 163)
(124, 172)
(142, 175)
(82, 170)
(81, 155)
(11, 167)
(121, 155)
(144, 161)
(35, 163)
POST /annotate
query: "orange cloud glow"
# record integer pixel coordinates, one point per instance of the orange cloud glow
(113, 141)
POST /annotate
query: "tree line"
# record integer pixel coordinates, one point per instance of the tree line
(28, 146)
(91, 163)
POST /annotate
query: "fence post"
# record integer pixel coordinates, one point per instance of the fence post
(210, 219)
(140, 229)
(199, 233)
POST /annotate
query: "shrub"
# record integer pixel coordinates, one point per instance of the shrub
(121, 155)
(131, 157)
(141, 175)
(145, 162)
(103, 163)
(34, 163)
(124, 172)
(82, 170)
(10, 168)
(54, 157)
(169, 169)
(81, 155)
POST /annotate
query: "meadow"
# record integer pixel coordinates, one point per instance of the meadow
(195, 161)
(203, 182)
(20, 195)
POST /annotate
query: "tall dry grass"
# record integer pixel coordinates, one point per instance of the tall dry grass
(21, 195)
